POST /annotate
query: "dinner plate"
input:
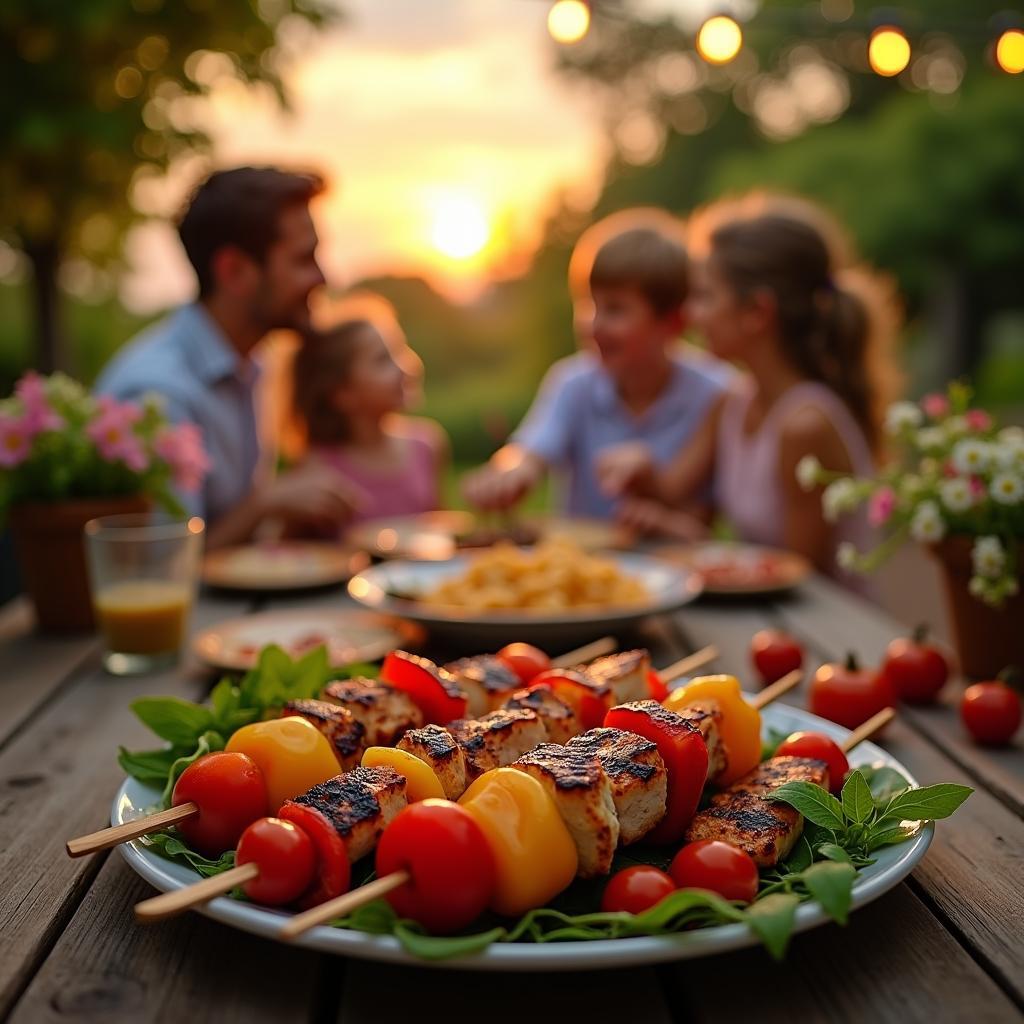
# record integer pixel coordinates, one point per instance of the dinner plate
(730, 568)
(892, 865)
(438, 536)
(349, 633)
(380, 587)
(282, 565)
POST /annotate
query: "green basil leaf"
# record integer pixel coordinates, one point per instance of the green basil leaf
(169, 845)
(662, 915)
(432, 947)
(225, 700)
(831, 884)
(801, 857)
(771, 920)
(883, 781)
(180, 722)
(377, 918)
(813, 802)
(310, 674)
(207, 742)
(928, 803)
(771, 742)
(891, 836)
(357, 670)
(148, 765)
(858, 804)
(833, 851)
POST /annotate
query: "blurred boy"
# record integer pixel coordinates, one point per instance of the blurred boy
(628, 277)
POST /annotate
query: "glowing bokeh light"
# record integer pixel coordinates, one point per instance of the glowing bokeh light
(1010, 51)
(568, 21)
(459, 227)
(888, 51)
(719, 40)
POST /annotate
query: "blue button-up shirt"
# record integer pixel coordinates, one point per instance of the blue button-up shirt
(186, 359)
(578, 412)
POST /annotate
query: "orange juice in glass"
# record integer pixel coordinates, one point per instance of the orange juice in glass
(143, 569)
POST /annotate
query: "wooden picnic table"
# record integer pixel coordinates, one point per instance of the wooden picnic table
(946, 945)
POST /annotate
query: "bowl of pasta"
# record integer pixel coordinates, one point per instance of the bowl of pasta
(552, 591)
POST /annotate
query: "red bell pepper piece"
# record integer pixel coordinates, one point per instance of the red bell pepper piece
(656, 689)
(684, 752)
(433, 690)
(589, 699)
(333, 872)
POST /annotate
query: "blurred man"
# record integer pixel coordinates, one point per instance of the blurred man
(249, 235)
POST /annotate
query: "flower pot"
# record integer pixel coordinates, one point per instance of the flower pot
(48, 544)
(987, 639)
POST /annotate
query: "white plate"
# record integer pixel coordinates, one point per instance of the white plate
(892, 865)
(669, 586)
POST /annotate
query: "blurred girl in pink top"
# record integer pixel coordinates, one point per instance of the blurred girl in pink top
(772, 292)
(351, 382)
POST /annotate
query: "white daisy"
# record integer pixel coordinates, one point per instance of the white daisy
(930, 439)
(840, 496)
(970, 456)
(956, 494)
(988, 557)
(1008, 452)
(1007, 488)
(807, 472)
(902, 416)
(977, 587)
(927, 525)
(955, 426)
(847, 556)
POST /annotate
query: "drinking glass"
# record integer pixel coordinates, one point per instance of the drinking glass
(143, 575)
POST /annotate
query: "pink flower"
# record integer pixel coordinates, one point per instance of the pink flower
(112, 433)
(935, 405)
(182, 448)
(15, 440)
(978, 419)
(978, 488)
(39, 415)
(881, 506)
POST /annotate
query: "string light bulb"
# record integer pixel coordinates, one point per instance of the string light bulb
(720, 39)
(1010, 51)
(888, 51)
(568, 21)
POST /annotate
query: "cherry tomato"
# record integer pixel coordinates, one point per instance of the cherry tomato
(636, 889)
(231, 793)
(525, 660)
(444, 850)
(775, 653)
(433, 690)
(916, 670)
(821, 747)
(991, 712)
(285, 856)
(333, 873)
(848, 694)
(656, 689)
(720, 867)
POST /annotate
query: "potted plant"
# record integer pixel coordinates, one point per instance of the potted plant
(67, 457)
(955, 484)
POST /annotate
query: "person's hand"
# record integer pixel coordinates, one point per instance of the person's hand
(493, 487)
(653, 518)
(314, 494)
(624, 467)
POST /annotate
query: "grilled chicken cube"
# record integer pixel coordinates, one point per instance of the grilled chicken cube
(637, 774)
(625, 672)
(345, 734)
(435, 745)
(496, 739)
(385, 712)
(707, 717)
(559, 720)
(775, 772)
(487, 681)
(582, 792)
(359, 804)
(765, 830)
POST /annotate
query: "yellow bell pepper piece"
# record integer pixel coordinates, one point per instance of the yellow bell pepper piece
(741, 724)
(421, 780)
(534, 854)
(292, 754)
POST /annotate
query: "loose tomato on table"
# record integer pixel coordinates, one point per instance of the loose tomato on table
(285, 856)
(991, 712)
(717, 866)
(433, 690)
(589, 700)
(333, 873)
(820, 747)
(636, 889)
(231, 794)
(774, 653)
(848, 694)
(525, 660)
(916, 670)
(451, 867)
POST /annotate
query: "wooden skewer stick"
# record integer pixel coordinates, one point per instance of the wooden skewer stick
(868, 728)
(605, 645)
(777, 689)
(115, 834)
(342, 905)
(168, 904)
(686, 665)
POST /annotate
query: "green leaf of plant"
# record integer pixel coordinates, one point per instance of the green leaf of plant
(890, 836)
(858, 804)
(310, 674)
(148, 765)
(883, 781)
(771, 920)
(928, 803)
(207, 742)
(831, 884)
(833, 851)
(433, 947)
(225, 699)
(813, 802)
(169, 845)
(800, 858)
(180, 722)
(377, 918)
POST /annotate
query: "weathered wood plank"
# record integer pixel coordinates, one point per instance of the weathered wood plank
(892, 963)
(730, 625)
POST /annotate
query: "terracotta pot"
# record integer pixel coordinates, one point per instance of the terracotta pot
(48, 544)
(987, 639)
